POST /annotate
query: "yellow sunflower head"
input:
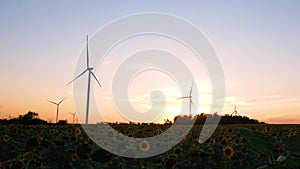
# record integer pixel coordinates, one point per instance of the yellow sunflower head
(74, 157)
(144, 146)
(177, 151)
(77, 131)
(6, 138)
(159, 131)
(52, 132)
(212, 141)
(110, 134)
(228, 151)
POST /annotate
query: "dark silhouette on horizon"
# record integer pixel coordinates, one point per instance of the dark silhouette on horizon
(29, 118)
(226, 119)
(32, 118)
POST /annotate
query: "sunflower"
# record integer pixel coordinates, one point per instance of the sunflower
(77, 131)
(39, 131)
(40, 139)
(212, 141)
(228, 151)
(52, 132)
(159, 131)
(6, 138)
(131, 141)
(177, 151)
(110, 134)
(74, 157)
(144, 146)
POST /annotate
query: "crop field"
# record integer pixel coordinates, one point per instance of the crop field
(231, 146)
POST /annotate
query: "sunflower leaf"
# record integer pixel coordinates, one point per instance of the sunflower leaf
(258, 141)
(293, 144)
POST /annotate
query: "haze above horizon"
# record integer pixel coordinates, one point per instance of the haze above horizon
(256, 41)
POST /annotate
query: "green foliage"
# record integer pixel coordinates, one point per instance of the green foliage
(67, 146)
(292, 144)
(287, 149)
(259, 141)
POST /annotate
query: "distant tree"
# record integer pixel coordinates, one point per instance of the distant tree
(167, 121)
(29, 118)
(227, 119)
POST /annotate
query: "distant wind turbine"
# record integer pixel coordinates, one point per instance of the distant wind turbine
(235, 111)
(191, 101)
(73, 114)
(57, 107)
(89, 70)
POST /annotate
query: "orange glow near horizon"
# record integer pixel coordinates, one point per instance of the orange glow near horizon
(286, 113)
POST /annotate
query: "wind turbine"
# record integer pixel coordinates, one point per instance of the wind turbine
(235, 111)
(89, 70)
(191, 101)
(73, 114)
(57, 107)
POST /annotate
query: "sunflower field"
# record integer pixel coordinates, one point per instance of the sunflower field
(231, 146)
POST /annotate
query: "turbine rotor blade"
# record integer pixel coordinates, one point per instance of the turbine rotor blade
(87, 52)
(96, 78)
(193, 104)
(72, 113)
(78, 76)
(52, 102)
(185, 97)
(61, 100)
(191, 89)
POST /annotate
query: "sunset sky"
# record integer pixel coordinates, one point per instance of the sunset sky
(257, 43)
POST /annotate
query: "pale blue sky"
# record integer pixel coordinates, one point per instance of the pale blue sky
(257, 42)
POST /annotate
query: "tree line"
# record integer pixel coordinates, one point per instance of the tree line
(32, 118)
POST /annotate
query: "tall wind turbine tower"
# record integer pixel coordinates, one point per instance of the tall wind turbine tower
(90, 73)
(191, 101)
(57, 107)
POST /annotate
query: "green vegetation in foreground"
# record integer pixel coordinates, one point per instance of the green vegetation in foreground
(231, 146)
